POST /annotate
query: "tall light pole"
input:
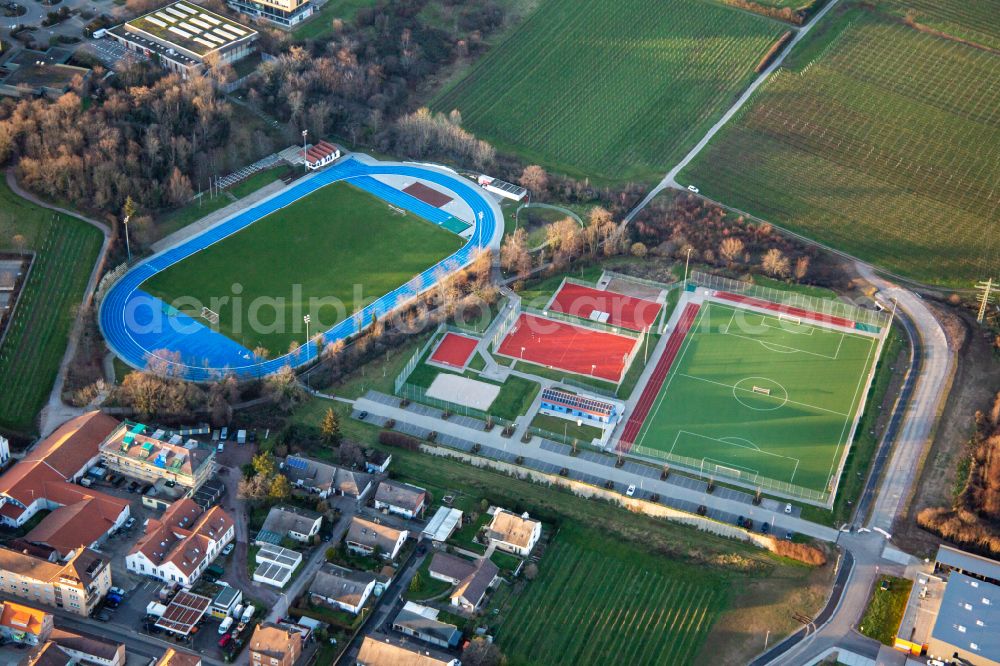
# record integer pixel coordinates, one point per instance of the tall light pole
(687, 261)
(128, 246)
(479, 230)
(305, 163)
(307, 319)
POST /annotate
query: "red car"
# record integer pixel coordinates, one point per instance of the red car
(224, 641)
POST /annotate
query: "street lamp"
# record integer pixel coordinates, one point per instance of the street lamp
(307, 319)
(305, 163)
(128, 246)
(479, 231)
(687, 260)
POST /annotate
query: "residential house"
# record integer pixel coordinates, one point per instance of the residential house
(49, 654)
(421, 622)
(386, 653)
(271, 645)
(76, 585)
(342, 588)
(89, 649)
(182, 543)
(174, 657)
(131, 450)
(450, 568)
(473, 579)
(289, 521)
(401, 498)
(378, 462)
(513, 533)
(23, 624)
(326, 480)
(471, 591)
(365, 536)
(45, 479)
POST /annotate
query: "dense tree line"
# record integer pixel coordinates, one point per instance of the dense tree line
(973, 521)
(144, 134)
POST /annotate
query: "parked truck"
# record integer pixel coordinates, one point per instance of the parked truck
(154, 609)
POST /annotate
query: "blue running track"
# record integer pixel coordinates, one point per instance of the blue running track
(139, 327)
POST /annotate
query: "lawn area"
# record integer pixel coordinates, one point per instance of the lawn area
(508, 563)
(885, 609)
(310, 257)
(66, 251)
(560, 426)
(598, 601)
(514, 398)
(428, 587)
(611, 91)
(321, 24)
(877, 139)
(765, 402)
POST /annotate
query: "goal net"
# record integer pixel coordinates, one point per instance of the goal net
(210, 315)
(762, 390)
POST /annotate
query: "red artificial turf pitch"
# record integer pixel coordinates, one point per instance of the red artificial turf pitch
(625, 311)
(454, 350)
(786, 309)
(568, 347)
(427, 194)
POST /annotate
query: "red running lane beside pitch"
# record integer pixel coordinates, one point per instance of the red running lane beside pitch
(568, 347)
(626, 311)
(655, 383)
(454, 350)
(786, 309)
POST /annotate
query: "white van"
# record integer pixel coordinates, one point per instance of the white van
(247, 613)
(224, 627)
(220, 447)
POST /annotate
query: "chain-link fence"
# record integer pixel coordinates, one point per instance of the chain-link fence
(825, 306)
(419, 394)
(746, 478)
(415, 359)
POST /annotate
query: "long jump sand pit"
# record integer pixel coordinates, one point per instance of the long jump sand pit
(463, 391)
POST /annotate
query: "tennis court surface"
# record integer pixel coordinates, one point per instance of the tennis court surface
(760, 398)
(569, 347)
(625, 311)
(454, 350)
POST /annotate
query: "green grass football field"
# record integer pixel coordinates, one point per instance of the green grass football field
(615, 91)
(760, 398)
(340, 244)
(878, 139)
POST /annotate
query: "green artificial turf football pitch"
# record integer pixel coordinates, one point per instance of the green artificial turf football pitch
(764, 400)
(339, 244)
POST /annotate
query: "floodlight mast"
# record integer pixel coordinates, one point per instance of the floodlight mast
(985, 293)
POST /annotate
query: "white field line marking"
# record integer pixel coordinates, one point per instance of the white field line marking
(793, 402)
(854, 405)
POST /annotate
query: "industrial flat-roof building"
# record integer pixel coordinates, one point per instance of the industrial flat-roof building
(953, 614)
(183, 36)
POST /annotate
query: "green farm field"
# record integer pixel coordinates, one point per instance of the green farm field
(597, 601)
(760, 398)
(877, 139)
(972, 21)
(611, 91)
(66, 251)
(320, 247)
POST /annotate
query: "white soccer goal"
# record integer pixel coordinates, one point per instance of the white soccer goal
(790, 319)
(762, 390)
(210, 315)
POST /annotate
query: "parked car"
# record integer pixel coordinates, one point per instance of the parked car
(119, 481)
(112, 601)
(228, 549)
(788, 508)
(692, 188)
(224, 641)
(134, 486)
(226, 623)
(631, 491)
(103, 615)
(765, 528)
(739, 521)
(117, 590)
(129, 523)
(362, 416)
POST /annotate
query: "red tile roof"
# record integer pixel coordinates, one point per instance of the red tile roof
(182, 534)
(22, 618)
(80, 523)
(44, 470)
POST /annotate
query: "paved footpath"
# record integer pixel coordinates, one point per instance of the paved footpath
(769, 511)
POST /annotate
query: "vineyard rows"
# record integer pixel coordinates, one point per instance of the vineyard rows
(611, 90)
(588, 608)
(885, 147)
(31, 353)
(975, 21)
